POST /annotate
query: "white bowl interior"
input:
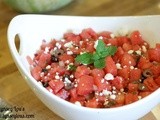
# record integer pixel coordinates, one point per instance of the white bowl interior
(32, 29)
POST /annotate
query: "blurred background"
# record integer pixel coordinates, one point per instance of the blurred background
(13, 88)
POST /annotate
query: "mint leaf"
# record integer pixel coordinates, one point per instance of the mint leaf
(100, 63)
(98, 57)
(101, 46)
(109, 50)
(71, 67)
(85, 58)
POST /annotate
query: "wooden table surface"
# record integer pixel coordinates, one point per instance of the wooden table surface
(14, 89)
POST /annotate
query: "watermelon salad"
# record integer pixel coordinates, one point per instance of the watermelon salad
(98, 69)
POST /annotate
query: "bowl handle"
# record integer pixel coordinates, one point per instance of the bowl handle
(13, 30)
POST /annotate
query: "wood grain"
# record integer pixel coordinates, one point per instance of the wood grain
(15, 90)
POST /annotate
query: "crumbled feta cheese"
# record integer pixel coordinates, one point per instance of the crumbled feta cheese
(112, 35)
(109, 44)
(57, 77)
(138, 52)
(122, 90)
(100, 37)
(106, 102)
(131, 67)
(46, 50)
(95, 44)
(100, 94)
(82, 52)
(124, 66)
(106, 92)
(55, 48)
(58, 45)
(118, 65)
(66, 80)
(96, 93)
(61, 63)
(139, 97)
(113, 96)
(78, 103)
(80, 42)
(71, 76)
(75, 85)
(109, 76)
(69, 53)
(114, 92)
(102, 80)
(48, 67)
(68, 44)
(97, 99)
(67, 61)
(63, 40)
(144, 48)
(114, 88)
(41, 74)
(130, 51)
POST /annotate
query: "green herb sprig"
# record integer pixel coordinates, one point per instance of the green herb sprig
(98, 57)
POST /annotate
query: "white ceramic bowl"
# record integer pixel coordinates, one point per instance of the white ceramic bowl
(32, 29)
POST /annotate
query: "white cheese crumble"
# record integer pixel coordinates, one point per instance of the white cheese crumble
(102, 80)
(66, 80)
(67, 61)
(109, 76)
(138, 52)
(131, 67)
(130, 51)
(78, 103)
(100, 37)
(48, 67)
(130, 62)
(72, 76)
(95, 44)
(112, 35)
(109, 44)
(144, 48)
(63, 40)
(106, 92)
(69, 53)
(122, 90)
(57, 76)
(68, 44)
(80, 42)
(46, 50)
(58, 45)
(118, 65)
(114, 92)
(139, 97)
(113, 96)
(41, 74)
(61, 63)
